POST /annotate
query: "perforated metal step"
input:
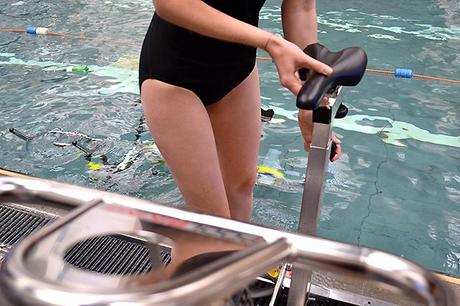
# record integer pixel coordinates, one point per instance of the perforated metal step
(15, 224)
(113, 254)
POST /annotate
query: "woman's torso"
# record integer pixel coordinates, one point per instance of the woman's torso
(181, 41)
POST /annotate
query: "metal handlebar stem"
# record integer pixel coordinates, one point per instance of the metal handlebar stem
(318, 161)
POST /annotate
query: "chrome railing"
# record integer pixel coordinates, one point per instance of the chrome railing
(34, 272)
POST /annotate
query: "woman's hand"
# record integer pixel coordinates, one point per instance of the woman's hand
(289, 58)
(306, 127)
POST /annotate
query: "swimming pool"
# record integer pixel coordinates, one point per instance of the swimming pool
(396, 187)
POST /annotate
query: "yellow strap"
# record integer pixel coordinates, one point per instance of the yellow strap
(11, 173)
(449, 279)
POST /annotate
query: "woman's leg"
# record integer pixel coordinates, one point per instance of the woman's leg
(181, 128)
(237, 126)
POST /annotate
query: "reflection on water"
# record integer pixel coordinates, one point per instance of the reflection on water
(396, 186)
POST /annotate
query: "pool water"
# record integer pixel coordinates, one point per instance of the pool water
(396, 187)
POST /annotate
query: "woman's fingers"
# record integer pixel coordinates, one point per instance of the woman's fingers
(290, 78)
(317, 66)
(291, 82)
(338, 150)
(289, 58)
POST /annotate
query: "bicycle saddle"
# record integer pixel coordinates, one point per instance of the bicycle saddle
(348, 67)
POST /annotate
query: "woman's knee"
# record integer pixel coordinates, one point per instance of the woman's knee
(242, 185)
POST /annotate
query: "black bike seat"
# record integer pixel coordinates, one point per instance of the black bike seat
(348, 67)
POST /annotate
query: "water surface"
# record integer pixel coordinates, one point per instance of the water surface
(396, 187)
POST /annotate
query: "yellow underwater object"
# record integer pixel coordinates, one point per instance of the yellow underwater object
(274, 273)
(270, 171)
(260, 169)
(275, 177)
(94, 166)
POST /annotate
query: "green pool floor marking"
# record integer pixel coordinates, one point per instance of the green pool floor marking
(393, 131)
(124, 77)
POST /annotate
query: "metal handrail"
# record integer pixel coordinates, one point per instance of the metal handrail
(267, 247)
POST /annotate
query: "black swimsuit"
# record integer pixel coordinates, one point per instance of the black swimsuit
(209, 67)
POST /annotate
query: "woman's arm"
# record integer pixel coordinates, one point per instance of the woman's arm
(300, 22)
(199, 17)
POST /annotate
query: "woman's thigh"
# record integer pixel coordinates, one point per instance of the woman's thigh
(181, 128)
(237, 126)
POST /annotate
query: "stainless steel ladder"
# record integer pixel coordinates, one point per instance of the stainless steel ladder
(34, 272)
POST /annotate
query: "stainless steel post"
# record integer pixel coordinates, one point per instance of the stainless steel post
(318, 160)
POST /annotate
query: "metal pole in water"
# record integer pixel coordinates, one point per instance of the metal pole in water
(318, 161)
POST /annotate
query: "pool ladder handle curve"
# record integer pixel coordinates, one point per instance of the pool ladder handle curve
(270, 247)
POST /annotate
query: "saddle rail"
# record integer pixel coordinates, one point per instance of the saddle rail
(26, 283)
